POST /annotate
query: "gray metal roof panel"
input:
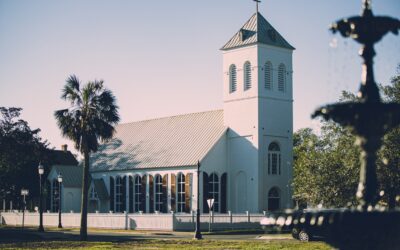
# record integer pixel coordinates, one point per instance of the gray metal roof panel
(257, 30)
(72, 175)
(165, 142)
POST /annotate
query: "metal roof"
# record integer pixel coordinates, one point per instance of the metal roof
(71, 175)
(165, 142)
(257, 30)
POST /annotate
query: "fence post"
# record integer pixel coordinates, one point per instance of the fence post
(126, 220)
(230, 219)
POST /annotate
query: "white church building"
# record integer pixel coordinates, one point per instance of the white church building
(245, 149)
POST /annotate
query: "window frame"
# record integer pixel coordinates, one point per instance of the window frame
(247, 76)
(118, 194)
(282, 78)
(137, 188)
(274, 159)
(214, 191)
(158, 193)
(232, 78)
(180, 192)
(268, 76)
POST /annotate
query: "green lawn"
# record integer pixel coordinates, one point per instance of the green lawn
(170, 244)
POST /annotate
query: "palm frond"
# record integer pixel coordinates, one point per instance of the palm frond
(71, 90)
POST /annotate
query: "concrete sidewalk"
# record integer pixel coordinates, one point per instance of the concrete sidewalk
(10, 235)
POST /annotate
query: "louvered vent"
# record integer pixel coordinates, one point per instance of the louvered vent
(247, 75)
(232, 78)
(281, 77)
(268, 75)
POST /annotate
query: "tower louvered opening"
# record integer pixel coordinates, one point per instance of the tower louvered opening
(281, 77)
(247, 75)
(232, 78)
(268, 75)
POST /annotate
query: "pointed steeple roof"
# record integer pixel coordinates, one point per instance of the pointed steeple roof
(257, 30)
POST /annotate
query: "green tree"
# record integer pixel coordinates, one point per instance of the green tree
(389, 162)
(21, 149)
(326, 166)
(90, 120)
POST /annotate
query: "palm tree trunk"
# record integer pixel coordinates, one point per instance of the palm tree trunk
(84, 202)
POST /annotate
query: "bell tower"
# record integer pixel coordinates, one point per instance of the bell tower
(258, 109)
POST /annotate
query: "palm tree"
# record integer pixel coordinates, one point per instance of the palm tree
(90, 120)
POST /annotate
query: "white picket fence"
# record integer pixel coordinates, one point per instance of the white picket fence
(164, 222)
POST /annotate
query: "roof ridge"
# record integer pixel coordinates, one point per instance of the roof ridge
(166, 117)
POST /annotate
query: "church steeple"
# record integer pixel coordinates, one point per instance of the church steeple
(257, 30)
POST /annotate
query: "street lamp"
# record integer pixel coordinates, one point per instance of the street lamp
(59, 178)
(41, 172)
(197, 234)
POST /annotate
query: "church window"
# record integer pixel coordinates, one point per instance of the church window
(181, 193)
(268, 75)
(247, 75)
(232, 78)
(274, 159)
(214, 191)
(118, 194)
(56, 195)
(93, 194)
(130, 196)
(158, 193)
(138, 192)
(273, 199)
(281, 77)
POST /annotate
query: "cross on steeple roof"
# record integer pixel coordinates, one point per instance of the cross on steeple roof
(257, 2)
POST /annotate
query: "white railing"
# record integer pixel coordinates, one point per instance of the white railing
(168, 222)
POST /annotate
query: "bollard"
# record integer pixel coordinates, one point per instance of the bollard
(248, 216)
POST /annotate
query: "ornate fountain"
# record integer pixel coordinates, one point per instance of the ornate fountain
(366, 226)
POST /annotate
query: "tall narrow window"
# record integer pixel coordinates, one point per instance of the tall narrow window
(273, 199)
(274, 159)
(55, 196)
(281, 77)
(118, 194)
(232, 78)
(268, 75)
(213, 189)
(247, 75)
(93, 193)
(158, 193)
(181, 193)
(138, 192)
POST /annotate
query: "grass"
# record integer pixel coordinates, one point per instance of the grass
(171, 244)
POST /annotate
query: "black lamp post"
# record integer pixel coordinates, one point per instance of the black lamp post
(41, 172)
(197, 234)
(59, 178)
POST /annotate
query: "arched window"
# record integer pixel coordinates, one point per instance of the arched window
(118, 194)
(213, 189)
(232, 78)
(273, 199)
(158, 199)
(281, 77)
(268, 75)
(138, 193)
(247, 75)
(274, 159)
(181, 193)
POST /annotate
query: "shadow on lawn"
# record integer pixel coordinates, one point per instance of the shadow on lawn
(19, 235)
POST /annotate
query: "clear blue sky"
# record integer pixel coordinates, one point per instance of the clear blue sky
(162, 57)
